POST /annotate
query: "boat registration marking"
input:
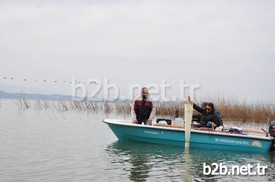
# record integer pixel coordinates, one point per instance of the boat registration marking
(231, 141)
(254, 143)
(152, 132)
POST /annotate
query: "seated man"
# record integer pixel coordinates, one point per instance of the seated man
(208, 117)
(142, 109)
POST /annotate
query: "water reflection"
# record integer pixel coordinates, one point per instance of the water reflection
(148, 162)
(140, 167)
(186, 176)
(144, 159)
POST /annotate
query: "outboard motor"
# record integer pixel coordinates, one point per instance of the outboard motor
(272, 128)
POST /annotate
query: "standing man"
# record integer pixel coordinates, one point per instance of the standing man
(142, 109)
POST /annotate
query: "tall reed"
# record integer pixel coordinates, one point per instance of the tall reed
(230, 109)
(23, 103)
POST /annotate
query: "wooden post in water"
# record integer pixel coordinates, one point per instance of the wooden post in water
(188, 112)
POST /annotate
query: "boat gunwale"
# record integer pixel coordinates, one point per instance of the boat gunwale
(120, 122)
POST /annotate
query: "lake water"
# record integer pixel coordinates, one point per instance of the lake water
(49, 145)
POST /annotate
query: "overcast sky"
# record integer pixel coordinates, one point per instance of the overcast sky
(227, 47)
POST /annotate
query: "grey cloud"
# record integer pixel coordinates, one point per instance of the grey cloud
(209, 42)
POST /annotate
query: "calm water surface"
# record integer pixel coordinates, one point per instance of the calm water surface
(48, 145)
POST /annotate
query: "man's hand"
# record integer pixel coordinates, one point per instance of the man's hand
(134, 121)
(189, 100)
(213, 125)
(149, 121)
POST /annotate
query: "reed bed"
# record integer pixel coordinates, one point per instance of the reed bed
(22, 102)
(230, 109)
(234, 110)
(123, 108)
